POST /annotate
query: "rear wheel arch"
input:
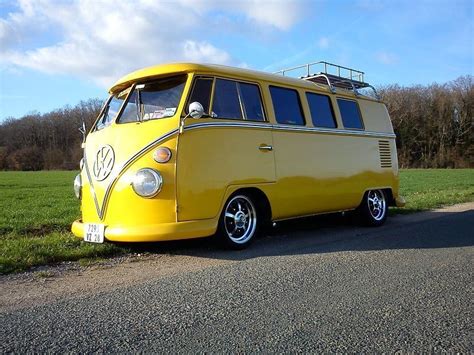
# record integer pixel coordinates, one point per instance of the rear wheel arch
(373, 209)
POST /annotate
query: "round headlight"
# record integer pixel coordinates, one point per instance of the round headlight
(78, 186)
(147, 182)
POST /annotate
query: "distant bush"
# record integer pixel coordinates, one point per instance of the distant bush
(434, 124)
(27, 159)
(46, 141)
(3, 158)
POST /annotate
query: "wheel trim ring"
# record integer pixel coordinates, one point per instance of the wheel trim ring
(250, 224)
(377, 210)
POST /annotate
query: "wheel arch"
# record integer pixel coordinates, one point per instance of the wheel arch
(258, 196)
(387, 191)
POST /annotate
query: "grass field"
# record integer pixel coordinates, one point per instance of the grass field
(36, 212)
(37, 209)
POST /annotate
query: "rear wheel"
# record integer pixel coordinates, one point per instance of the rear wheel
(239, 222)
(373, 209)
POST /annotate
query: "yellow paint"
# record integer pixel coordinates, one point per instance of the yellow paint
(308, 172)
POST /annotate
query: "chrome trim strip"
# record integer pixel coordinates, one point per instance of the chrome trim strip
(118, 172)
(343, 132)
(94, 196)
(292, 128)
(128, 163)
(227, 124)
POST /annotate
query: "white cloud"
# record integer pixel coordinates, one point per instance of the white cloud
(203, 51)
(281, 14)
(386, 57)
(102, 40)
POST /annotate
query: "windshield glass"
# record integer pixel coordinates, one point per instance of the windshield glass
(111, 109)
(155, 100)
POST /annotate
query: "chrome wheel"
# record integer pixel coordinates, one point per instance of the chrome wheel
(376, 204)
(240, 219)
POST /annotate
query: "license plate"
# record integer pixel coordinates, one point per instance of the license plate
(94, 233)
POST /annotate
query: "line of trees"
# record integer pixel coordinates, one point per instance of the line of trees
(434, 126)
(46, 141)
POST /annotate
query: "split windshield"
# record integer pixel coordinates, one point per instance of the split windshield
(149, 101)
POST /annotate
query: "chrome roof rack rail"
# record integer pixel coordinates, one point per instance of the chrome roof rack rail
(332, 75)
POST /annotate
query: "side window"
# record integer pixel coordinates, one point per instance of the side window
(252, 102)
(237, 100)
(226, 100)
(350, 114)
(201, 93)
(287, 106)
(321, 110)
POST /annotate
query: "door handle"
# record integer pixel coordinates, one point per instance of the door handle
(265, 147)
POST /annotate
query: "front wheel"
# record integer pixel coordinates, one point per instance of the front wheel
(239, 222)
(373, 209)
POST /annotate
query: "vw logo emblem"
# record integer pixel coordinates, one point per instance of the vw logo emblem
(104, 162)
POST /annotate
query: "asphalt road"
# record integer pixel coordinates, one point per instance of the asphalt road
(313, 285)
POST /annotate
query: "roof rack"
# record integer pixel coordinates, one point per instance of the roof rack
(332, 75)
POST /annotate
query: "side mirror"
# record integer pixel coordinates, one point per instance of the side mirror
(196, 110)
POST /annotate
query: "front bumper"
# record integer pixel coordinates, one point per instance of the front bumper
(153, 233)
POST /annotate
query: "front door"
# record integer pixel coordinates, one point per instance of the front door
(214, 155)
(233, 148)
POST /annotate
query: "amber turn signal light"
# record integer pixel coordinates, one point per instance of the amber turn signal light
(162, 155)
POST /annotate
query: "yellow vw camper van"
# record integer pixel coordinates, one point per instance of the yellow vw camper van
(190, 150)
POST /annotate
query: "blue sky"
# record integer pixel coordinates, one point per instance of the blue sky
(58, 52)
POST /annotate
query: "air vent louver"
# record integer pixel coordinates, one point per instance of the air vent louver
(385, 155)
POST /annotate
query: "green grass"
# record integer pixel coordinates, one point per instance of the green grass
(36, 202)
(37, 209)
(36, 212)
(426, 189)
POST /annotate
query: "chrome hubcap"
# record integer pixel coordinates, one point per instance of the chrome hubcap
(377, 205)
(240, 219)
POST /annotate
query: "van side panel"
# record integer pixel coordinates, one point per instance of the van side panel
(320, 172)
(214, 154)
(375, 116)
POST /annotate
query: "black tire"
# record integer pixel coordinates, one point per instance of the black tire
(373, 208)
(239, 223)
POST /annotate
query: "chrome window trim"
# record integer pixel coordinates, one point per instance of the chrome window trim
(334, 131)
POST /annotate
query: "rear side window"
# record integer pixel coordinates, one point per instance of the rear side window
(287, 106)
(350, 114)
(202, 92)
(322, 113)
(237, 100)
